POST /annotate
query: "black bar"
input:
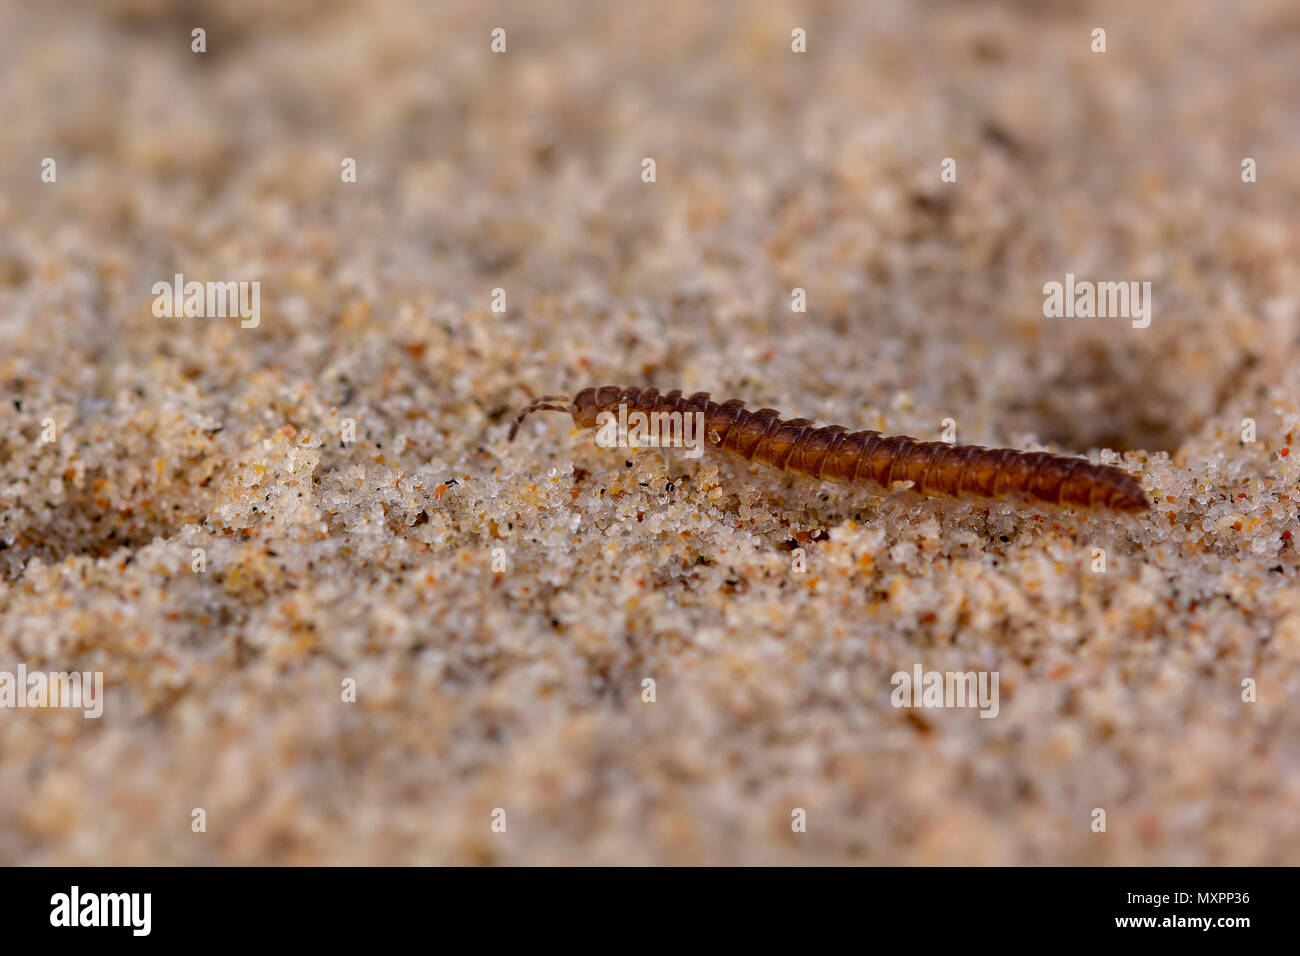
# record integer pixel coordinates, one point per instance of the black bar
(333, 906)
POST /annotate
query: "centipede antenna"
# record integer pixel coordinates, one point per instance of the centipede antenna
(538, 405)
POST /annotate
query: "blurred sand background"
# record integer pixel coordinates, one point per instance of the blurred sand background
(522, 690)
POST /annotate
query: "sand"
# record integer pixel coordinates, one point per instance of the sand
(181, 509)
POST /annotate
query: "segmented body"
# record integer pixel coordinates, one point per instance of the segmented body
(833, 453)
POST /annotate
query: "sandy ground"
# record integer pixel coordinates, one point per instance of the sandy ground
(181, 510)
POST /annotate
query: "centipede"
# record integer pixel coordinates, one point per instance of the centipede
(835, 454)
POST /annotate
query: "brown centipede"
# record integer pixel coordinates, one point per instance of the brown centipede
(833, 453)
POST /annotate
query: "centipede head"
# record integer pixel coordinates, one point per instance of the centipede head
(544, 404)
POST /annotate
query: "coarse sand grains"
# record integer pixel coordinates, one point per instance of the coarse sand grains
(181, 508)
